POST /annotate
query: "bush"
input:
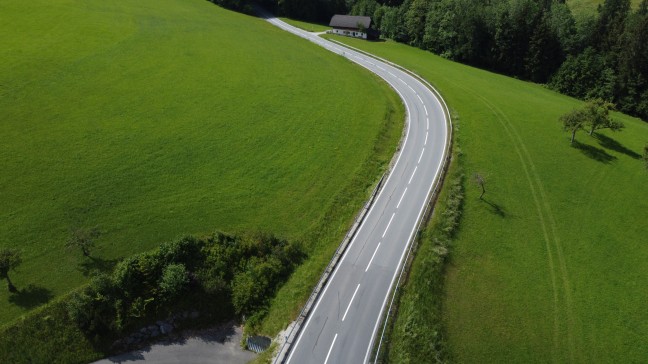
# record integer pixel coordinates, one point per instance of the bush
(174, 281)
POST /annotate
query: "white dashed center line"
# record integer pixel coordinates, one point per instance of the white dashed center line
(413, 173)
(330, 349)
(401, 199)
(350, 302)
(387, 228)
(371, 260)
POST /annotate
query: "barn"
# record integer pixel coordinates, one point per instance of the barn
(353, 26)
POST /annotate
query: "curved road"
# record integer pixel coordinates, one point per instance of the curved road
(344, 322)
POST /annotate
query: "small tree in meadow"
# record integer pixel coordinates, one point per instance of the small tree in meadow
(573, 121)
(84, 239)
(10, 259)
(481, 182)
(594, 115)
(645, 155)
(598, 116)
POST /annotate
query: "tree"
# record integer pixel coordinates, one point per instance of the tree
(595, 115)
(84, 239)
(573, 121)
(174, 280)
(10, 259)
(598, 116)
(645, 155)
(481, 182)
(545, 53)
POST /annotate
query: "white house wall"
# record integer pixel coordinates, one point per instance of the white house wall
(350, 33)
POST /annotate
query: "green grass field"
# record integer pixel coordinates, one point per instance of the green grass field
(152, 119)
(552, 266)
(589, 7)
(309, 27)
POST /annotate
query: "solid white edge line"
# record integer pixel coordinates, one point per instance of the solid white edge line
(389, 177)
(446, 130)
(421, 156)
(350, 302)
(401, 199)
(413, 173)
(353, 240)
(371, 260)
(382, 310)
(330, 349)
(390, 221)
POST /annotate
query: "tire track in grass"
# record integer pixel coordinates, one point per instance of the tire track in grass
(536, 187)
(556, 240)
(545, 233)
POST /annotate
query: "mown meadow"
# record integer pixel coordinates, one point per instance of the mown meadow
(154, 119)
(551, 265)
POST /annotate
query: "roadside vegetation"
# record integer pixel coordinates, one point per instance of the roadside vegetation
(125, 124)
(415, 332)
(548, 265)
(220, 275)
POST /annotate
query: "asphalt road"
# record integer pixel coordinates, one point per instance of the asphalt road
(219, 345)
(342, 326)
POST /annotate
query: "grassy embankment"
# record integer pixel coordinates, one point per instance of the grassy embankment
(152, 119)
(552, 264)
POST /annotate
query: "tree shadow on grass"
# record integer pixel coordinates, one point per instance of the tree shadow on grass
(495, 208)
(609, 143)
(94, 264)
(595, 153)
(31, 296)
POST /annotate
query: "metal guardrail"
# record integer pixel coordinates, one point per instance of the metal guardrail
(296, 329)
(434, 195)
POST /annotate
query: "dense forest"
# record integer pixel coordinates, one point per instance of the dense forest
(587, 56)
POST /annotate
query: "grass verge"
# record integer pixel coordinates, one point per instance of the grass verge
(547, 267)
(415, 332)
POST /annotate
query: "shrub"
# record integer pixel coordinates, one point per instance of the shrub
(174, 281)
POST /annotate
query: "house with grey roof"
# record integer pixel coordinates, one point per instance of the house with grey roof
(353, 26)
